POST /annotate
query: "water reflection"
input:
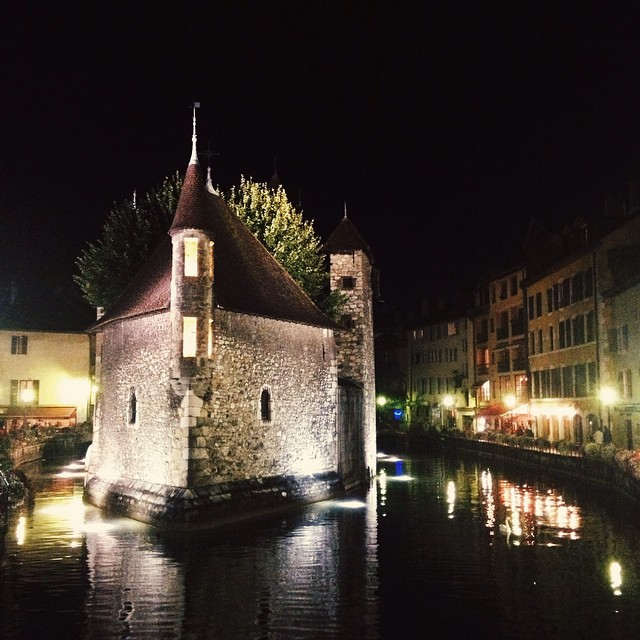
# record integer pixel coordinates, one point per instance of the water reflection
(526, 514)
(425, 547)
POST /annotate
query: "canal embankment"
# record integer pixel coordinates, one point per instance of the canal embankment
(22, 446)
(601, 466)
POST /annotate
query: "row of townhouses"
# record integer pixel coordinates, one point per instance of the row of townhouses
(549, 347)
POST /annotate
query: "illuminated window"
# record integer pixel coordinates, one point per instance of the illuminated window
(19, 345)
(265, 405)
(133, 406)
(211, 259)
(191, 256)
(210, 339)
(24, 392)
(189, 335)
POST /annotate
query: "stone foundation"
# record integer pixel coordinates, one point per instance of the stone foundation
(201, 507)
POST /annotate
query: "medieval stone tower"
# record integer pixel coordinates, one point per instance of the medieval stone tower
(224, 390)
(351, 273)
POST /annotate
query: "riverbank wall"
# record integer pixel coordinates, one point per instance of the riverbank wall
(602, 474)
(21, 451)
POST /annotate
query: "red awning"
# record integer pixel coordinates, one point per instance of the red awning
(497, 409)
(35, 412)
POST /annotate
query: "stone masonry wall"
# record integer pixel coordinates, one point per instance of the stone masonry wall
(135, 355)
(296, 364)
(355, 347)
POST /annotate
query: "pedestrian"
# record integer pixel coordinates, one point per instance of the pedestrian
(606, 436)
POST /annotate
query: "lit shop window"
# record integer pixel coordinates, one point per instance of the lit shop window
(191, 256)
(189, 333)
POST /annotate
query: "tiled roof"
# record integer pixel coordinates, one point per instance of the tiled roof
(191, 212)
(345, 239)
(247, 279)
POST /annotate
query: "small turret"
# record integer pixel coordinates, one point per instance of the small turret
(191, 281)
(350, 272)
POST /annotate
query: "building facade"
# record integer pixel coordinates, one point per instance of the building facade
(554, 343)
(562, 347)
(439, 383)
(224, 391)
(46, 358)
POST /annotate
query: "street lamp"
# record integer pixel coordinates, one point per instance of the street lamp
(608, 396)
(26, 395)
(447, 401)
(510, 401)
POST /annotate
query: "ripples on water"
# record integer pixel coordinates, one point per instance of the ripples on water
(421, 553)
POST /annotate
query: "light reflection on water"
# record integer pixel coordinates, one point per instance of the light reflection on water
(425, 547)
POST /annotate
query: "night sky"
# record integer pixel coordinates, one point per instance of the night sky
(445, 127)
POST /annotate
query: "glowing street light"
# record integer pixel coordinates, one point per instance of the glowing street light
(447, 402)
(608, 396)
(27, 396)
(510, 401)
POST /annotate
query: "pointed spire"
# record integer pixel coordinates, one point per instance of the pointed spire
(192, 211)
(209, 183)
(346, 239)
(274, 181)
(194, 138)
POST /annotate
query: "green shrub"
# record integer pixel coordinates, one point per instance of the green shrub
(592, 450)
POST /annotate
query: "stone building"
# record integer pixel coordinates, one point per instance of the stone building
(224, 391)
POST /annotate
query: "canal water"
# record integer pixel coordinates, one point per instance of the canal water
(422, 553)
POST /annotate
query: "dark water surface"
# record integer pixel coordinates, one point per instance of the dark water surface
(420, 554)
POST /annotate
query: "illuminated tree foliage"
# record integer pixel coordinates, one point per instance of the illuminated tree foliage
(129, 235)
(289, 238)
(133, 230)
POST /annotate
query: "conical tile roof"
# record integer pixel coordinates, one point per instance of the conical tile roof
(247, 279)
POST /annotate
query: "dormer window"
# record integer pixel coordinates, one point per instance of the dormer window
(191, 257)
